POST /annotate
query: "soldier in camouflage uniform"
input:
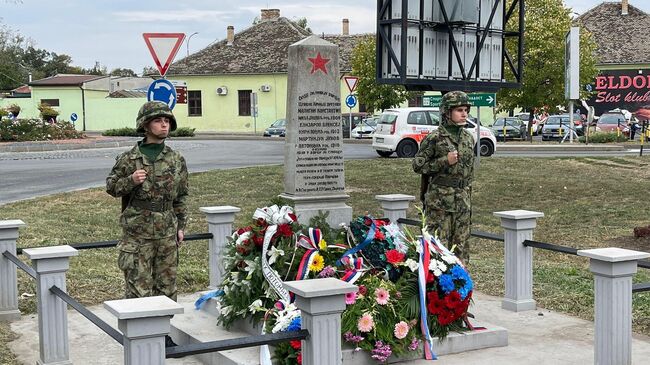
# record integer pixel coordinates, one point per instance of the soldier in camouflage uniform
(151, 178)
(446, 158)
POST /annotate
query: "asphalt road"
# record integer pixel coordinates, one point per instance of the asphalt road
(26, 175)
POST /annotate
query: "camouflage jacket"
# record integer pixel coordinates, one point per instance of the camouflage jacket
(166, 182)
(431, 160)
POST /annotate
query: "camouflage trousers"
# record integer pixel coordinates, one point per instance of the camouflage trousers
(453, 229)
(149, 266)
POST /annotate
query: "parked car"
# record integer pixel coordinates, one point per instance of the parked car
(556, 126)
(611, 121)
(365, 128)
(345, 122)
(276, 129)
(509, 127)
(401, 130)
(537, 122)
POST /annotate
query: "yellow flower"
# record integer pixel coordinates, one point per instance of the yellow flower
(317, 264)
(322, 245)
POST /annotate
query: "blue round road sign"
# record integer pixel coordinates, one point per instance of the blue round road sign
(351, 101)
(162, 90)
(73, 117)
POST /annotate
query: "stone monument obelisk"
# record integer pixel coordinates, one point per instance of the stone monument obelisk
(314, 177)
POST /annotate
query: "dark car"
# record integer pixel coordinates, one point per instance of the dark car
(345, 122)
(509, 127)
(277, 129)
(556, 126)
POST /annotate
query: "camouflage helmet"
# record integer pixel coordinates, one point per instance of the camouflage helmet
(151, 110)
(452, 100)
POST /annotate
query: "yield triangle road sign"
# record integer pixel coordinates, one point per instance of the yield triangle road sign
(163, 48)
(351, 81)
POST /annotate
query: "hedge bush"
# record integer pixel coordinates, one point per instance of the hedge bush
(601, 137)
(130, 132)
(22, 130)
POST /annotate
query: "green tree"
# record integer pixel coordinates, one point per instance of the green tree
(123, 72)
(547, 22)
(375, 96)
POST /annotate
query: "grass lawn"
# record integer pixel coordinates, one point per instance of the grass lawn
(587, 202)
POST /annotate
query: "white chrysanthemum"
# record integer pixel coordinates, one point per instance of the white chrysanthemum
(412, 264)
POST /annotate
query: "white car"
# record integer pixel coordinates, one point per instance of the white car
(402, 129)
(365, 128)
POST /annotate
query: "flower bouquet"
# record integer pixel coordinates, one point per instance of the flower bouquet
(410, 289)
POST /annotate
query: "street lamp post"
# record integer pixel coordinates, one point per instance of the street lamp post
(188, 42)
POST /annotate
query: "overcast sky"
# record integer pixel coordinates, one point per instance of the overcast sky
(110, 32)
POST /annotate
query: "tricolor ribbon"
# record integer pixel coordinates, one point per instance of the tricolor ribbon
(423, 269)
(369, 237)
(354, 268)
(312, 244)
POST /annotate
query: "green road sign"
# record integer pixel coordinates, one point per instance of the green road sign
(482, 99)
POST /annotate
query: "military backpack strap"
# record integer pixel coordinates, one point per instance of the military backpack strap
(126, 199)
(424, 187)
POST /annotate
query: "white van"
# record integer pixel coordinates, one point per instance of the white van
(402, 129)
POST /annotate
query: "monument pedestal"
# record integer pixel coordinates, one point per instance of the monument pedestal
(307, 207)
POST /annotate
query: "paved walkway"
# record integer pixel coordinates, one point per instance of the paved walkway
(535, 337)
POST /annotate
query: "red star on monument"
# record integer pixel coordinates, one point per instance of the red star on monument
(318, 63)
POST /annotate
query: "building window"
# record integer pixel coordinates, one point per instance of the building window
(50, 102)
(194, 103)
(245, 103)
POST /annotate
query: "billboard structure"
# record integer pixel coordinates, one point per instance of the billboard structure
(449, 44)
(572, 64)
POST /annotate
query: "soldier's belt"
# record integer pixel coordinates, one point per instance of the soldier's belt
(160, 206)
(452, 182)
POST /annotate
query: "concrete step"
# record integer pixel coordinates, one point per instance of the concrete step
(201, 326)
(197, 326)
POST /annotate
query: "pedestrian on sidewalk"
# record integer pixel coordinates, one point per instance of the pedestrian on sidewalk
(151, 179)
(446, 162)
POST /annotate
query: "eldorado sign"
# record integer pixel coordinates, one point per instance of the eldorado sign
(624, 89)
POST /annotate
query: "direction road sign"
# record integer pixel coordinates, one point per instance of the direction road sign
(477, 99)
(73, 117)
(162, 90)
(163, 48)
(352, 82)
(351, 101)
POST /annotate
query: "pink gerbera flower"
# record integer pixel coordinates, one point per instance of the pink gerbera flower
(350, 298)
(382, 296)
(366, 323)
(401, 330)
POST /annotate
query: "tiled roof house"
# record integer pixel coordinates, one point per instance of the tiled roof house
(222, 76)
(622, 35)
(621, 31)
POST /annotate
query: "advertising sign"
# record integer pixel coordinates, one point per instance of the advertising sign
(624, 89)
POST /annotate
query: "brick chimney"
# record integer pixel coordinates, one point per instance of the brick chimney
(230, 35)
(624, 7)
(270, 14)
(346, 27)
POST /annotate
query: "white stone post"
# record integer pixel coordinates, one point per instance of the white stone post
(395, 205)
(144, 323)
(8, 279)
(518, 226)
(321, 302)
(613, 269)
(51, 264)
(220, 220)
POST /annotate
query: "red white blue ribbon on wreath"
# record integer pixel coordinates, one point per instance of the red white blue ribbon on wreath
(354, 268)
(311, 244)
(423, 270)
(369, 237)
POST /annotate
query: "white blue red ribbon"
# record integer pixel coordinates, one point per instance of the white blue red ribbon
(369, 237)
(423, 270)
(354, 268)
